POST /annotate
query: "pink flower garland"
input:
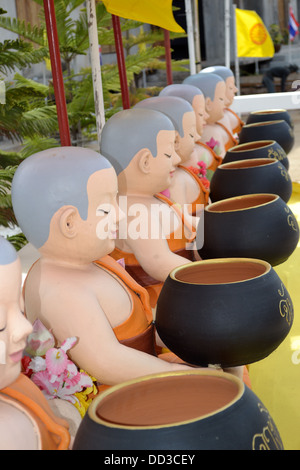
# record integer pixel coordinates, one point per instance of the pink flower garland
(201, 173)
(50, 368)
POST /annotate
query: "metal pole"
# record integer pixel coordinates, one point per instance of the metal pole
(197, 36)
(190, 31)
(58, 82)
(168, 57)
(227, 32)
(96, 67)
(121, 61)
(237, 62)
(290, 42)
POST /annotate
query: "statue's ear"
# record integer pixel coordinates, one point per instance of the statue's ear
(144, 160)
(68, 221)
(208, 104)
(177, 141)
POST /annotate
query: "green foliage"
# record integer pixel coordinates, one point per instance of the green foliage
(286, 35)
(25, 113)
(6, 213)
(18, 241)
(276, 34)
(17, 53)
(29, 115)
(25, 30)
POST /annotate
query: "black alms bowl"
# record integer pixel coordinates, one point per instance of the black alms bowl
(270, 115)
(279, 131)
(227, 312)
(261, 175)
(191, 410)
(257, 149)
(259, 226)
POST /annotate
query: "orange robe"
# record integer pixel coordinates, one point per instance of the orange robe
(177, 244)
(216, 159)
(231, 140)
(138, 331)
(203, 197)
(53, 431)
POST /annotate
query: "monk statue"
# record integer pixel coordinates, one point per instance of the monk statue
(231, 120)
(214, 89)
(202, 153)
(65, 201)
(186, 189)
(26, 420)
(144, 157)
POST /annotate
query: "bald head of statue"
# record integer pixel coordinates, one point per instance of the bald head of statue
(228, 76)
(206, 82)
(214, 90)
(49, 180)
(128, 132)
(220, 70)
(194, 96)
(172, 106)
(184, 91)
(8, 253)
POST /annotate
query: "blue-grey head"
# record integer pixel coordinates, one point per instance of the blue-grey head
(186, 92)
(206, 82)
(49, 180)
(128, 132)
(172, 106)
(220, 70)
(8, 253)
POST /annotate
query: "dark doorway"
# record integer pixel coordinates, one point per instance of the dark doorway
(180, 45)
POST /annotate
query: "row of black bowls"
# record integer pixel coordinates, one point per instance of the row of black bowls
(232, 308)
(194, 410)
(228, 310)
(224, 309)
(272, 129)
(249, 215)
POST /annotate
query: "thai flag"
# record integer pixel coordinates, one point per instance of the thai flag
(293, 25)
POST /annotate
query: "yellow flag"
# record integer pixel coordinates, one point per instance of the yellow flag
(47, 61)
(48, 64)
(253, 38)
(155, 12)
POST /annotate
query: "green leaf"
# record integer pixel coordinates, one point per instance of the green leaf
(9, 158)
(18, 241)
(38, 144)
(19, 54)
(39, 121)
(25, 30)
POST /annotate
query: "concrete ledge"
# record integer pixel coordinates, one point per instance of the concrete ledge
(248, 103)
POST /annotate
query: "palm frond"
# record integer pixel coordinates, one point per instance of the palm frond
(26, 84)
(6, 177)
(135, 63)
(9, 159)
(6, 211)
(19, 54)
(103, 16)
(177, 65)
(148, 37)
(22, 96)
(39, 121)
(18, 241)
(38, 144)
(23, 29)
